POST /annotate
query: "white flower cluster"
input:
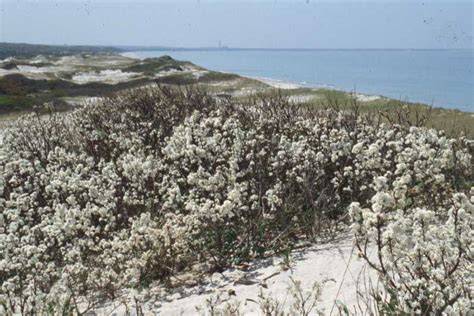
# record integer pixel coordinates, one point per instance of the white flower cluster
(419, 217)
(131, 190)
(424, 253)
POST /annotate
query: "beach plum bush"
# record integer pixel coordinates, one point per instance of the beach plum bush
(133, 189)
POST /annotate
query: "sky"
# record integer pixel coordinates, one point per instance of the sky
(348, 24)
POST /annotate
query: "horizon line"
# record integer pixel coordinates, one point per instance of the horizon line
(151, 47)
(224, 48)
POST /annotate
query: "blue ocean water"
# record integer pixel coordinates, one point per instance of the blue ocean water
(443, 78)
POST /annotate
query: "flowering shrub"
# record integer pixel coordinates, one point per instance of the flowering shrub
(424, 241)
(133, 189)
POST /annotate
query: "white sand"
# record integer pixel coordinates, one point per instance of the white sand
(280, 84)
(199, 73)
(38, 59)
(75, 61)
(367, 98)
(31, 72)
(335, 265)
(35, 70)
(106, 76)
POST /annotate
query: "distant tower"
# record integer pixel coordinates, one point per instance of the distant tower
(220, 44)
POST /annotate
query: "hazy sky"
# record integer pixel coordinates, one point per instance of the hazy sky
(237, 23)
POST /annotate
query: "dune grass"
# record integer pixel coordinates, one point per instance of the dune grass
(453, 122)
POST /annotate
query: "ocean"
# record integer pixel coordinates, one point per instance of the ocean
(443, 78)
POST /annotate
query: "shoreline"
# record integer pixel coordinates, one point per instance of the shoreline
(288, 85)
(277, 83)
(293, 85)
(360, 96)
(373, 78)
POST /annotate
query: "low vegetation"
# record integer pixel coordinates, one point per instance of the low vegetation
(28, 82)
(151, 66)
(18, 93)
(134, 189)
(32, 50)
(454, 122)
